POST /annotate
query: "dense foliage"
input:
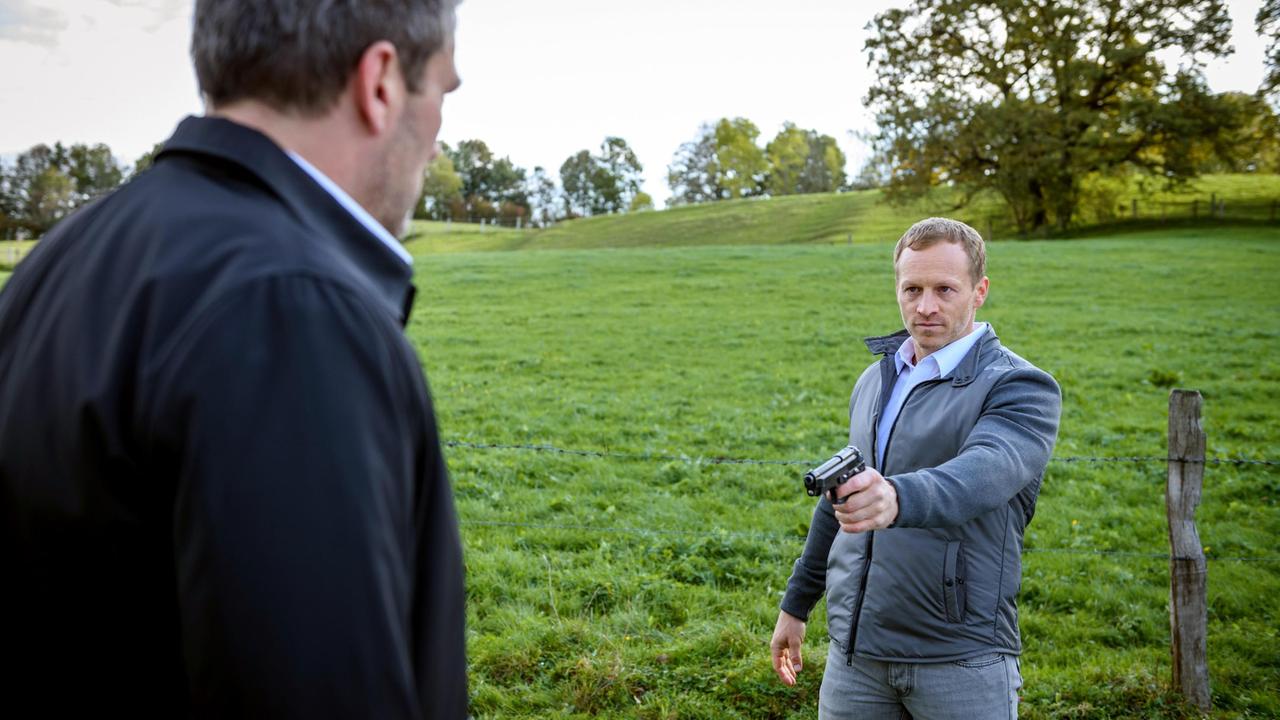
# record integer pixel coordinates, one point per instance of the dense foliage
(1032, 100)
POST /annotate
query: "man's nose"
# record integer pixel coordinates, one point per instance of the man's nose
(927, 305)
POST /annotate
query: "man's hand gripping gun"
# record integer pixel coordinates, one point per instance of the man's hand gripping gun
(824, 479)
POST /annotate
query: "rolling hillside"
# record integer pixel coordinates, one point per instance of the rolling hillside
(858, 217)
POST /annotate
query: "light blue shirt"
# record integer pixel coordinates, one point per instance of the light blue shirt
(939, 364)
(353, 207)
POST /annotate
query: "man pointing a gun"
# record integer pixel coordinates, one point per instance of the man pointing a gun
(919, 553)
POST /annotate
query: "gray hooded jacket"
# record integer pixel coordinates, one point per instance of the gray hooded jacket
(966, 455)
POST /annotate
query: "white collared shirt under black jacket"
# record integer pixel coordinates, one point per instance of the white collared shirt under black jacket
(221, 488)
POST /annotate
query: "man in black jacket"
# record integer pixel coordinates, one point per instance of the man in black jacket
(221, 487)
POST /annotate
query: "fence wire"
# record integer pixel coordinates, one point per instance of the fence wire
(776, 536)
(791, 537)
(721, 460)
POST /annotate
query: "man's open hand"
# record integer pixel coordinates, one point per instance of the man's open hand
(871, 502)
(788, 635)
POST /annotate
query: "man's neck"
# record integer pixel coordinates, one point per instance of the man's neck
(308, 136)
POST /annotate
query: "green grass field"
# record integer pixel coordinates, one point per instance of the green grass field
(647, 589)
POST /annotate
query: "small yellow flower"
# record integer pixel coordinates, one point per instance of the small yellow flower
(1075, 523)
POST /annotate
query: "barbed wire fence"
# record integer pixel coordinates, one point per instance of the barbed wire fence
(811, 462)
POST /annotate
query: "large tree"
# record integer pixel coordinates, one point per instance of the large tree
(1268, 20)
(803, 161)
(603, 183)
(1028, 98)
(740, 160)
(724, 161)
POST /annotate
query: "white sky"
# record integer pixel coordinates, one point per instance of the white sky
(541, 80)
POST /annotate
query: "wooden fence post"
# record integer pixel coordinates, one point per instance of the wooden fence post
(1188, 608)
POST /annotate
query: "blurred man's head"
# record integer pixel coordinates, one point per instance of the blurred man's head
(355, 86)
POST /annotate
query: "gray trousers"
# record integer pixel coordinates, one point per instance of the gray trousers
(981, 688)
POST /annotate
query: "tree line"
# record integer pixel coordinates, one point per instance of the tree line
(1051, 106)
(469, 182)
(725, 160)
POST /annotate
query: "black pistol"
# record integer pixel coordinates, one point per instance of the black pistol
(823, 479)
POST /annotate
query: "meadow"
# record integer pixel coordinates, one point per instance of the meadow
(646, 586)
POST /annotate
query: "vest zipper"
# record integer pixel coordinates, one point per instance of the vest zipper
(871, 535)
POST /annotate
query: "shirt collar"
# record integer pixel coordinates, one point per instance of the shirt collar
(353, 207)
(946, 358)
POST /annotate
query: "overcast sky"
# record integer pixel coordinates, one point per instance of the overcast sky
(541, 80)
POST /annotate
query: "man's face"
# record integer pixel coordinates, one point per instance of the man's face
(413, 143)
(937, 297)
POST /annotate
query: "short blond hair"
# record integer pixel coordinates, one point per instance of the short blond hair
(931, 231)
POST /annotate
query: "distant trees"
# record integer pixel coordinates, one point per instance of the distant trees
(1029, 100)
(721, 163)
(606, 182)
(544, 197)
(803, 161)
(740, 162)
(491, 186)
(726, 161)
(147, 158)
(693, 174)
(45, 184)
(441, 191)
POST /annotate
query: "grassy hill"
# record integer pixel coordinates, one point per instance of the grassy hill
(837, 218)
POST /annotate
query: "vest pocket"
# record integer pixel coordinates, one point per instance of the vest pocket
(953, 590)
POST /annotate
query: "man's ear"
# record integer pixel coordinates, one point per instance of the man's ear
(981, 289)
(378, 87)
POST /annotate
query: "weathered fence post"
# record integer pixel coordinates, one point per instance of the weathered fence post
(1188, 608)
(1135, 208)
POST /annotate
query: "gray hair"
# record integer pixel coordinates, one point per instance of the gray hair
(297, 55)
(931, 231)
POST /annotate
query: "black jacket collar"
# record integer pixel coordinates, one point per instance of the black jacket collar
(230, 142)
